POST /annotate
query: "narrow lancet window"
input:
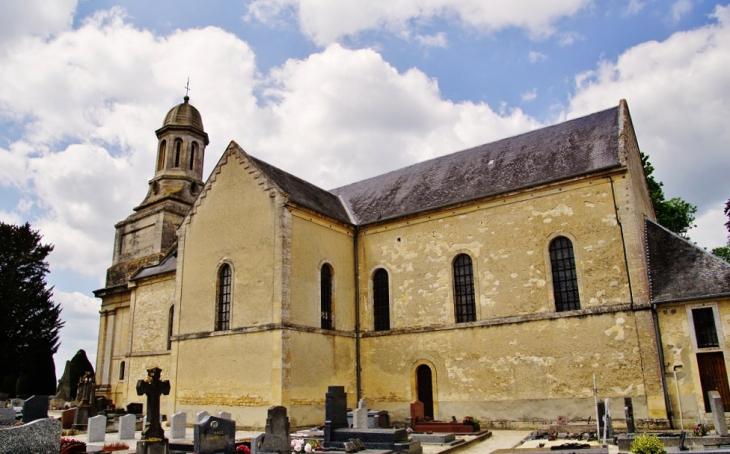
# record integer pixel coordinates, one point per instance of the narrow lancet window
(464, 303)
(381, 300)
(223, 310)
(565, 277)
(326, 296)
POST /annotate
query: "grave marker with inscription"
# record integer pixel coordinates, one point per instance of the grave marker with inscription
(35, 407)
(214, 436)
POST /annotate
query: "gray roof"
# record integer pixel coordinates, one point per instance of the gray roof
(304, 193)
(168, 265)
(679, 270)
(565, 150)
(561, 151)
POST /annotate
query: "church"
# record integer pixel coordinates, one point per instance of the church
(494, 282)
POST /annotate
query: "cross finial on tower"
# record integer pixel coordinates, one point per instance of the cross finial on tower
(187, 89)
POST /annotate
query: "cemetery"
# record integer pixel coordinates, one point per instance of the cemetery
(35, 425)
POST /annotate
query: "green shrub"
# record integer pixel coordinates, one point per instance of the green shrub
(647, 444)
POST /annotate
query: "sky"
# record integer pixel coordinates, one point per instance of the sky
(334, 91)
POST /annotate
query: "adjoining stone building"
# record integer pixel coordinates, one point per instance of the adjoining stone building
(493, 282)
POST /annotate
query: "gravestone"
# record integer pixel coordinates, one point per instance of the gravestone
(224, 415)
(601, 410)
(718, 413)
(127, 426)
(153, 435)
(7, 416)
(135, 408)
(629, 411)
(214, 435)
(335, 411)
(85, 395)
(178, 425)
(201, 416)
(35, 407)
(417, 410)
(277, 435)
(39, 436)
(68, 417)
(16, 403)
(97, 429)
(360, 415)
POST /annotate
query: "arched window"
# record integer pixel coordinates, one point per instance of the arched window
(381, 300)
(465, 307)
(223, 310)
(178, 147)
(565, 278)
(121, 370)
(161, 155)
(169, 327)
(325, 279)
(193, 152)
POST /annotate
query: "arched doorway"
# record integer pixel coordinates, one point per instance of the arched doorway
(424, 386)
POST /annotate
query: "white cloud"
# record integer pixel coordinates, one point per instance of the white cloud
(680, 8)
(529, 95)
(20, 18)
(678, 94)
(535, 56)
(437, 40)
(568, 38)
(327, 21)
(634, 7)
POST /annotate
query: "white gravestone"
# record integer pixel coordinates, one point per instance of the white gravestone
(127, 427)
(97, 429)
(360, 415)
(201, 415)
(179, 422)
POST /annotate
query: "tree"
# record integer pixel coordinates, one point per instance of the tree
(676, 214)
(29, 321)
(724, 251)
(79, 366)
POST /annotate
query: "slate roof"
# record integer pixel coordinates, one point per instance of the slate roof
(679, 270)
(565, 150)
(304, 193)
(169, 264)
(553, 153)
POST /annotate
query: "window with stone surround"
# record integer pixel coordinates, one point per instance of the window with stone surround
(223, 309)
(178, 149)
(705, 330)
(161, 155)
(464, 302)
(193, 152)
(325, 279)
(169, 327)
(381, 300)
(565, 277)
(122, 365)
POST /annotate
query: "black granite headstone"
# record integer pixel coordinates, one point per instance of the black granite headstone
(629, 410)
(214, 436)
(135, 408)
(335, 411)
(35, 407)
(601, 415)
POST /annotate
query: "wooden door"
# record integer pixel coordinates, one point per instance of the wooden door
(425, 390)
(713, 377)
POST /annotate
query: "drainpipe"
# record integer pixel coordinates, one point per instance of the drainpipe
(357, 314)
(660, 348)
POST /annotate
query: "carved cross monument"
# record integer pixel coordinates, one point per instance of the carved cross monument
(153, 387)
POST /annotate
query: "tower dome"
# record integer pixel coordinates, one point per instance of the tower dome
(184, 114)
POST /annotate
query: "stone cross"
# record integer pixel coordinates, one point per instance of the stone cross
(153, 387)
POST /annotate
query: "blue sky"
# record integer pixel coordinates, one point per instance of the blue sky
(334, 91)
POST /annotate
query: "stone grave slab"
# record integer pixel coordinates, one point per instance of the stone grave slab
(97, 429)
(201, 416)
(127, 426)
(35, 407)
(178, 424)
(360, 415)
(214, 436)
(7, 416)
(39, 436)
(435, 439)
(68, 417)
(277, 436)
(718, 413)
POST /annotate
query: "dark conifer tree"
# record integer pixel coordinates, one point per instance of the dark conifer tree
(29, 321)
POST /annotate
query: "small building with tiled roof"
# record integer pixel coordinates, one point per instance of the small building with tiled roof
(497, 282)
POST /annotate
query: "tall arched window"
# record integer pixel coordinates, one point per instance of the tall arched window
(565, 278)
(161, 155)
(122, 366)
(325, 279)
(381, 300)
(193, 152)
(178, 148)
(169, 327)
(223, 310)
(464, 304)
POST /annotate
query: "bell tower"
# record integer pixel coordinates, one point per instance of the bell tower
(146, 237)
(181, 143)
